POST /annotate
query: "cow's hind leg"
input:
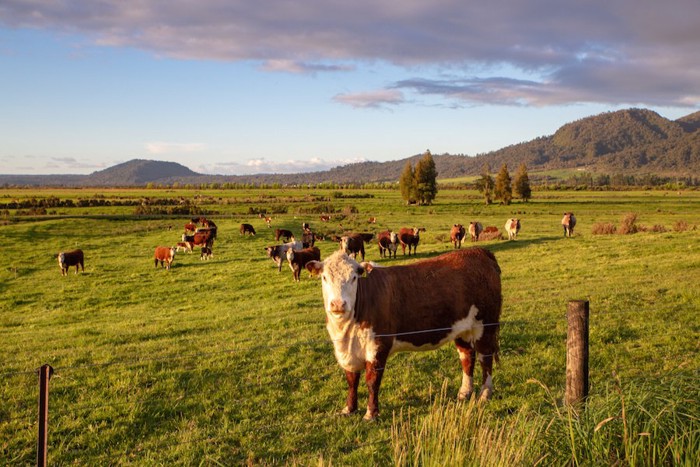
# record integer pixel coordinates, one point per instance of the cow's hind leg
(487, 352)
(467, 355)
(353, 379)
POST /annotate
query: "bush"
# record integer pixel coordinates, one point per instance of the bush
(680, 226)
(604, 228)
(627, 224)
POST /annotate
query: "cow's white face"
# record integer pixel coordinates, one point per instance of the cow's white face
(61, 259)
(339, 278)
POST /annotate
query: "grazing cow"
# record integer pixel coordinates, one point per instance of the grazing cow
(190, 228)
(206, 253)
(457, 235)
(305, 226)
(352, 244)
(372, 220)
(409, 238)
(66, 259)
(247, 229)
(475, 229)
(299, 258)
(367, 237)
(283, 233)
(388, 242)
(268, 221)
(308, 239)
(165, 255)
(184, 246)
(512, 228)
(324, 218)
(202, 237)
(421, 306)
(278, 252)
(568, 222)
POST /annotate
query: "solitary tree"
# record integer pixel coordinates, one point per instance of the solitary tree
(485, 184)
(522, 183)
(407, 183)
(426, 179)
(503, 189)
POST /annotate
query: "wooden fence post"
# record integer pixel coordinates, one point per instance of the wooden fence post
(45, 373)
(577, 313)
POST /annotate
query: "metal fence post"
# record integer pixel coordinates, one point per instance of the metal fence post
(577, 314)
(45, 373)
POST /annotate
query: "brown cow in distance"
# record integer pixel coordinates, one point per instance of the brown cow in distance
(568, 222)
(287, 235)
(164, 255)
(298, 259)
(475, 229)
(512, 227)
(66, 259)
(421, 306)
(457, 235)
(247, 229)
(409, 238)
(352, 244)
(388, 242)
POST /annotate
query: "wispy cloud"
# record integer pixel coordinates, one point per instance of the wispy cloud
(372, 99)
(624, 51)
(261, 165)
(160, 147)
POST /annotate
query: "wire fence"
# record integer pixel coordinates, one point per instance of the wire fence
(253, 346)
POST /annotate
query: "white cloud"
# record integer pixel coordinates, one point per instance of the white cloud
(372, 99)
(261, 165)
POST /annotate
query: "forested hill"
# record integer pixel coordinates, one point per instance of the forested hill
(632, 141)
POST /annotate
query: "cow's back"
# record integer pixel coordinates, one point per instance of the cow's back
(431, 294)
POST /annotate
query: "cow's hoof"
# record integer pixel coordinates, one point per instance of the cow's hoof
(485, 394)
(464, 396)
(347, 411)
(370, 417)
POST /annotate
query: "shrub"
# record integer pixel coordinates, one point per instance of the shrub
(627, 224)
(680, 226)
(658, 228)
(604, 228)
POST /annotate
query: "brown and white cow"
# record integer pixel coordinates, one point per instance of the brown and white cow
(568, 222)
(457, 235)
(165, 255)
(66, 259)
(324, 217)
(184, 246)
(475, 229)
(421, 306)
(512, 228)
(278, 252)
(298, 259)
(247, 229)
(190, 228)
(372, 220)
(388, 242)
(202, 237)
(409, 238)
(206, 253)
(287, 235)
(352, 244)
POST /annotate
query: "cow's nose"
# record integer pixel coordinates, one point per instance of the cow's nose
(338, 305)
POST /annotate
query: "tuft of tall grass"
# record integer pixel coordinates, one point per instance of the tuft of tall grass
(603, 228)
(628, 224)
(464, 433)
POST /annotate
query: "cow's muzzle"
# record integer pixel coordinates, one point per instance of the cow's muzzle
(337, 306)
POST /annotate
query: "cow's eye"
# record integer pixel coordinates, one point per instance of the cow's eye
(354, 278)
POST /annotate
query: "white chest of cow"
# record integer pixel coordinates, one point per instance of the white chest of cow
(352, 344)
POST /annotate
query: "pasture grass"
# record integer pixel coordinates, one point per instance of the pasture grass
(227, 361)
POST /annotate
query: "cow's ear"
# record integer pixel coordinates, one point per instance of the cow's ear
(314, 267)
(366, 267)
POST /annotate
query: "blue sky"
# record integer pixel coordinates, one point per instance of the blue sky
(240, 87)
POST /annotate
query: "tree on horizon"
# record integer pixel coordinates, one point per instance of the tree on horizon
(503, 189)
(521, 185)
(407, 183)
(486, 184)
(426, 179)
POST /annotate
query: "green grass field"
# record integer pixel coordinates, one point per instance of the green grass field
(227, 361)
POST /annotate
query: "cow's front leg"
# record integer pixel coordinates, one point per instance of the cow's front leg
(467, 355)
(373, 375)
(353, 379)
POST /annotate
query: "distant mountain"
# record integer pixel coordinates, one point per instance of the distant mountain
(140, 172)
(632, 141)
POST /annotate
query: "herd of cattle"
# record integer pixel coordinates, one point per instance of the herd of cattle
(201, 232)
(373, 312)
